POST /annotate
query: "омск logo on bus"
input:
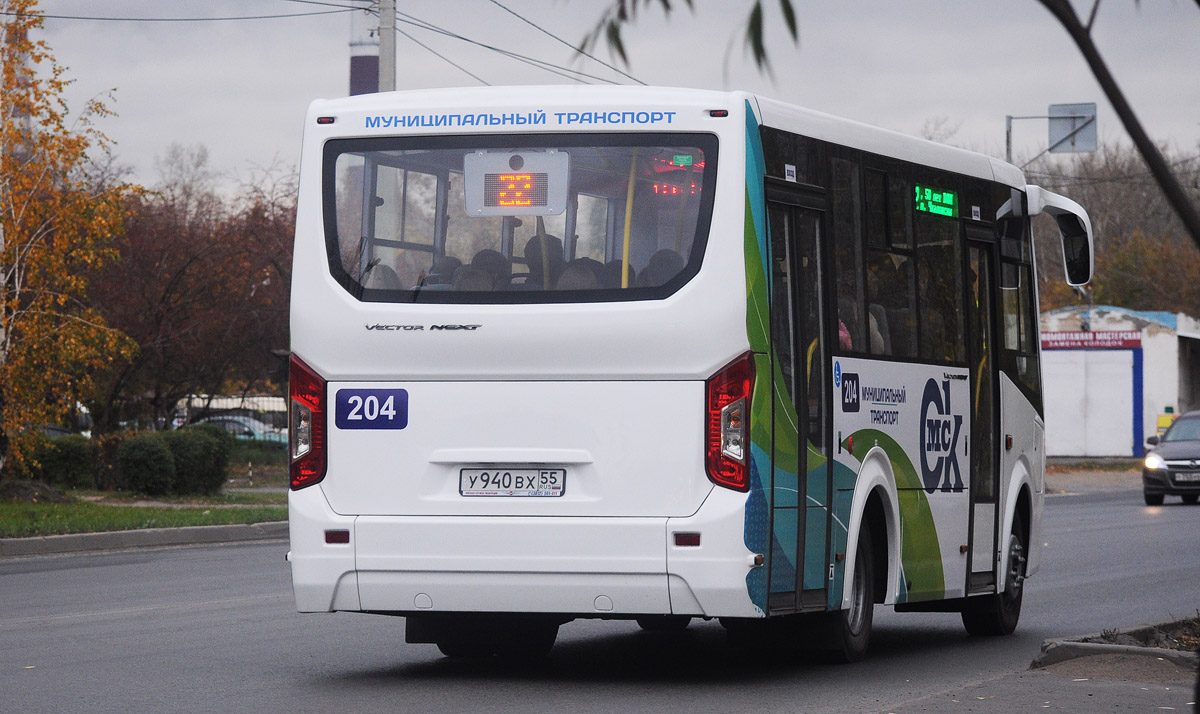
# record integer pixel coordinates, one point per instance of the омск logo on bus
(940, 431)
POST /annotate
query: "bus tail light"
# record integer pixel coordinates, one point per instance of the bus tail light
(306, 433)
(727, 396)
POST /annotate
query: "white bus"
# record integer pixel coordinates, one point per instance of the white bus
(660, 354)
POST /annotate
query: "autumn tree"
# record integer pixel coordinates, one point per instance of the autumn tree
(1144, 258)
(201, 286)
(56, 225)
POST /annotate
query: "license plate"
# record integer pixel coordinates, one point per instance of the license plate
(1193, 477)
(512, 482)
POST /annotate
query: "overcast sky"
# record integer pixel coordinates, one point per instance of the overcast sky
(240, 88)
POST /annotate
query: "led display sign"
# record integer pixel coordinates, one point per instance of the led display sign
(526, 182)
(515, 190)
(936, 201)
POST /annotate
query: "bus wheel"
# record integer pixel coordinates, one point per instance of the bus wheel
(664, 623)
(998, 614)
(850, 633)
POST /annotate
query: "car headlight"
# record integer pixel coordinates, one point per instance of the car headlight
(1154, 462)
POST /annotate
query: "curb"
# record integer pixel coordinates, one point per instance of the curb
(146, 538)
(1063, 649)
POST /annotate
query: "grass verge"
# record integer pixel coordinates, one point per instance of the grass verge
(1065, 465)
(225, 498)
(19, 520)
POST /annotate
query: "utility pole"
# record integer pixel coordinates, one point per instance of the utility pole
(387, 45)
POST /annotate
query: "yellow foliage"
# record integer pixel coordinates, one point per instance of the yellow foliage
(56, 226)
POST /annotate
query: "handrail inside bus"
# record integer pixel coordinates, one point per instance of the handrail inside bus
(628, 218)
(541, 234)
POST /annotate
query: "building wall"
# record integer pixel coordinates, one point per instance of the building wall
(1169, 375)
(1090, 396)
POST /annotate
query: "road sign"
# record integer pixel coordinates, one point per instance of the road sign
(1072, 128)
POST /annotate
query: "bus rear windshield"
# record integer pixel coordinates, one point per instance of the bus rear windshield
(514, 219)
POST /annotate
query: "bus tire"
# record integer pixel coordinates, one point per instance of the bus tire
(850, 631)
(664, 623)
(992, 615)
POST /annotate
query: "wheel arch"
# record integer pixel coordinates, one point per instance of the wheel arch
(1018, 501)
(875, 501)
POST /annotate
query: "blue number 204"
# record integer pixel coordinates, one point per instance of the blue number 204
(371, 409)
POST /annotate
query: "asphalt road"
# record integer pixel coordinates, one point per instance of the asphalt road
(212, 629)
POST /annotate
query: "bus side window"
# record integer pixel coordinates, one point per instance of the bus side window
(1019, 356)
(846, 215)
(939, 289)
(891, 304)
(591, 227)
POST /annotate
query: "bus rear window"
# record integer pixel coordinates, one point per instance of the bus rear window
(512, 219)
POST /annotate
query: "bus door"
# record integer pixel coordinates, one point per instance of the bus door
(981, 261)
(799, 503)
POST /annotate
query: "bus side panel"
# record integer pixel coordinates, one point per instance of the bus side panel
(919, 415)
(1023, 464)
(759, 538)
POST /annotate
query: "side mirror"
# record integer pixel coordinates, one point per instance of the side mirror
(1074, 227)
(1152, 440)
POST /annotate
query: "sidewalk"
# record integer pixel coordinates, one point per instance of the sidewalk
(1100, 683)
(1119, 679)
(145, 538)
(1093, 481)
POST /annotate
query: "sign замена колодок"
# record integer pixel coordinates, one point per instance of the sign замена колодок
(1123, 339)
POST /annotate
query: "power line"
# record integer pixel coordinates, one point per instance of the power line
(540, 64)
(16, 13)
(361, 6)
(444, 58)
(564, 42)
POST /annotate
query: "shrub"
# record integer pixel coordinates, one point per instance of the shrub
(105, 446)
(61, 461)
(145, 465)
(259, 453)
(201, 458)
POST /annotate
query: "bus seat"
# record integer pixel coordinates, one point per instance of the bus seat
(533, 257)
(442, 272)
(663, 265)
(495, 264)
(610, 275)
(578, 276)
(474, 279)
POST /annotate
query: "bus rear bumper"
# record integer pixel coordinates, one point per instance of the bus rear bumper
(578, 566)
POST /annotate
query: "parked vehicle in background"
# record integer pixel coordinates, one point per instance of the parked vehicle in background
(1173, 467)
(247, 428)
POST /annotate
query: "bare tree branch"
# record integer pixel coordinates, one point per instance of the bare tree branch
(1062, 10)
